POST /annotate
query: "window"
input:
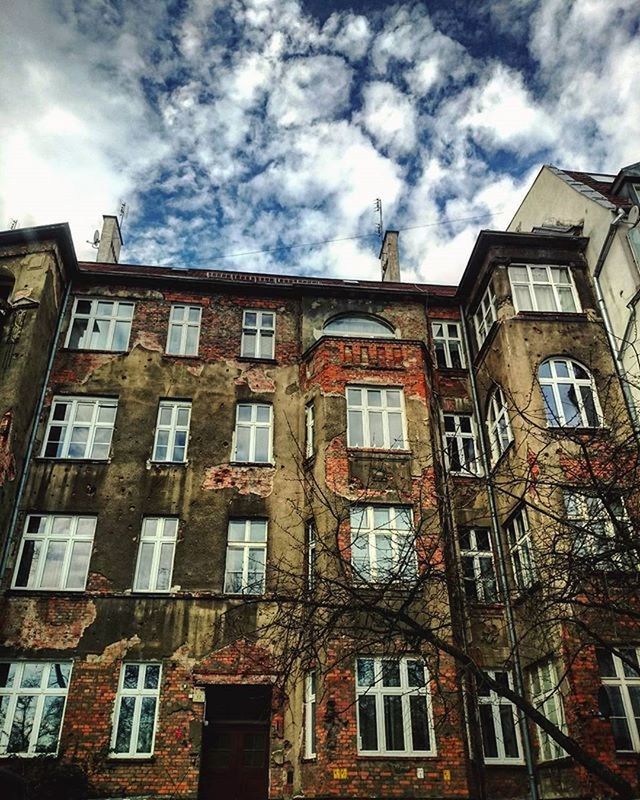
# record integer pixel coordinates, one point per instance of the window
(394, 707)
(598, 528)
(55, 552)
(155, 554)
(309, 430)
(136, 710)
(100, 325)
(569, 393)
(80, 427)
(546, 697)
(621, 679)
(359, 325)
(246, 556)
(310, 684)
(375, 418)
(258, 334)
(460, 444)
(543, 288)
(498, 425)
(382, 543)
(184, 331)
(172, 431)
(252, 437)
(32, 700)
(477, 566)
(485, 315)
(521, 550)
(447, 342)
(312, 554)
(500, 734)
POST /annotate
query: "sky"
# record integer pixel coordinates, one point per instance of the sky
(243, 134)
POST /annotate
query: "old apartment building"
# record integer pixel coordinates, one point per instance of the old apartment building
(267, 536)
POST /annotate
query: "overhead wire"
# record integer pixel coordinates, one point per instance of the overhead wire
(351, 238)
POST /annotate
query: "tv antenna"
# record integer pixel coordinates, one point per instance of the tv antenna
(96, 239)
(123, 213)
(378, 208)
(13, 224)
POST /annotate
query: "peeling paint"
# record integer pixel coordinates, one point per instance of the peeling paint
(148, 341)
(115, 651)
(257, 378)
(246, 480)
(7, 458)
(50, 622)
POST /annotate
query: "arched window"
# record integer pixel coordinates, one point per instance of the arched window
(358, 325)
(498, 425)
(569, 393)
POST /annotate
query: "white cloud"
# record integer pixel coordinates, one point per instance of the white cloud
(389, 116)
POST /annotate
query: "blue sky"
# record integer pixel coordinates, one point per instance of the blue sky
(240, 126)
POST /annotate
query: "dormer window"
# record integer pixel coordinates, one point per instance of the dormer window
(543, 288)
(359, 325)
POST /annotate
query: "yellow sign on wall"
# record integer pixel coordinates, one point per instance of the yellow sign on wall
(340, 774)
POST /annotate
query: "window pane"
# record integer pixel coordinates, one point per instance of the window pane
(27, 570)
(131, 672)
(175, 335)
(144, 565)
(570, 408)
(367, 721)
(393, 726)
(523, 298)
(249, 345)
(545, 298)
(125, 724)
(395, 431)
(366, 674)
(164, 567)
(489, 741)
(147, 721)
(356, 432)
(263, 436)
(509, 738)
(151, 676)
(419, 723)
(80, 555)
(22, 726)
(243, 439)
(50, 724)
(32, 676)
(391, 672)
(415, 674)
(59, 676)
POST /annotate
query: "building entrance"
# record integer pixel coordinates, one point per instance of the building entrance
(235, 743)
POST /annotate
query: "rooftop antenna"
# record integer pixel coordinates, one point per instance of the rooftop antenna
(96, 239)
(13, 224)
(123, 213)
(378, 207)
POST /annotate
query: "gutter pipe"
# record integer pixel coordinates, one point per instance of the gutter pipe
(501, 560)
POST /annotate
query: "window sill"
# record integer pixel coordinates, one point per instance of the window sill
(564, 430)
(60, 460)
(21, 590)
(468, 475)
(257, 360)
(454, 372)
(380, 452)
(553, 316)
(516, 762)
(93, 350)
(182, 356)
(395, 755)
(29, 755)
(168, 463)
(125, 757)
(252, 463)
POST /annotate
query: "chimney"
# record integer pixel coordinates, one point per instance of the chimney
(110, 240)
(389, 260)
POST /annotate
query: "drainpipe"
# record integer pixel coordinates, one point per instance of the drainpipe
(518, 677)
(604, 313)
(6, 548)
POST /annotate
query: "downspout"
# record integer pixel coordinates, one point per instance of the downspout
(6, 549)
(615, 352)
(518, 677)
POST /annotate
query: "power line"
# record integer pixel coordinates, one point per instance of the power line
(351, 238)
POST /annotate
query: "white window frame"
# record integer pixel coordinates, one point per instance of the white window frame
(246, 545)
(172, 428)
(94, 425)
(366, 410)
(548, 701)
(405, 692)
(157, 532)
(309, 429)
(310, 716)
(446, 340)
(485, 315)
(534, 279)
(92, 317)
(554, 382)
(476, 556)
(185, 324)
(42, 542)
(402, 541)
(458, 436)
(382, 329)
(587, 514)
(498, 424)
(262, 332)
(139, 693)
(624, 682)
(41, 693)
(521, 549)
(312, 553)
(253, 424)
(496, 703)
